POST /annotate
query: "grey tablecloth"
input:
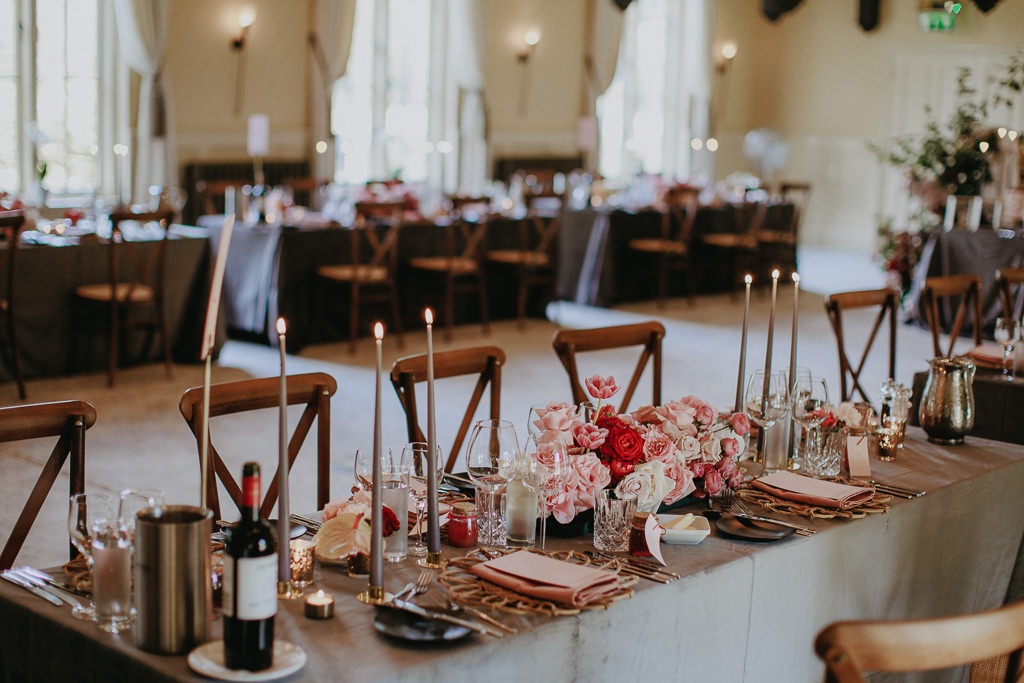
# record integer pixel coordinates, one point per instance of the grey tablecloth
(742, 611)
(47, 277)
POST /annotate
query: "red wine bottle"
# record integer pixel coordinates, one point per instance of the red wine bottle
(250, 583)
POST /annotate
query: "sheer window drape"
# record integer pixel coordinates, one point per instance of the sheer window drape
(330, 41)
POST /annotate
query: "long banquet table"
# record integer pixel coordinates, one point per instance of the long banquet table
(742, 611)
(48, 275)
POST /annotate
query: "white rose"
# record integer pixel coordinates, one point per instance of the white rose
(689, 448)
(849, 414)
(651, 485)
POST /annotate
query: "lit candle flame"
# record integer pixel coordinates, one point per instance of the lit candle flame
(428, 315)
(796, 277)
(280, 326)
(378, 331)
(748, 278)
(320, 594)
(775, 274)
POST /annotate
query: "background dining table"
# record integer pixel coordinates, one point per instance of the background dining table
(741, 611)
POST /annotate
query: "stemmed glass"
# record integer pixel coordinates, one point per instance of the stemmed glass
(1008, 333)
(766, 400)
(808, 400)
(490, 461)
(134, 501)
(85, 510)
(533, 418)
(362, 468)
(414, 457)
(545, 470)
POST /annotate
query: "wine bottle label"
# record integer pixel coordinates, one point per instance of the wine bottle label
(250, 587)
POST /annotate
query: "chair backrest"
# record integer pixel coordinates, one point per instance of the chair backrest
(852, 647)
(11, 223)
(567, 343)
(683, 203)
(211, 194)
(968, 289)
(799, 195)
(305, 191)
(312, 389)
(886, 301)
(381, 246)
(484, 361)
(1006, 280)
(143, 266)
(66, 420)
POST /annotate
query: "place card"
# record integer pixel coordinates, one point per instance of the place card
(652, 533)
(857, 456)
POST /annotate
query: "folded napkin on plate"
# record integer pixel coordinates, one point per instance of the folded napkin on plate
(803, 489)
(547, 578)
(988, 355)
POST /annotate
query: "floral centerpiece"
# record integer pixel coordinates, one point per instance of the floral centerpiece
(661, 454)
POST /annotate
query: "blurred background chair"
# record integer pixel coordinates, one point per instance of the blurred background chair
(313, 389)
(1008, 280)
(67, 420)
(740, 247)
(672, 250)
(966, 289)
(11, 223)
(483, 361)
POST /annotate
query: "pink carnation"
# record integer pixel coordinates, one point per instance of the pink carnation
(590, 436)
(602, 387)
(740, 423)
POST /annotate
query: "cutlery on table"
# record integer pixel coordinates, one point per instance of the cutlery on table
(426, 613)
(480, 614)
(635, 569)
(896, 489)
(44, 582)
(43, 576)
(308, 522)
(10, 577)
(740, 510)
(459, 480)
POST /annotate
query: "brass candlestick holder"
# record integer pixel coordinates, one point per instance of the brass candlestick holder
(287, 590)
(375, 595)
(433, 560)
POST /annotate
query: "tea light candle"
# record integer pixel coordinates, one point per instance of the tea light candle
(320, 605)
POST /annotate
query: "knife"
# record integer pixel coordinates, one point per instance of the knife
(781, 522)
(32, 572)
(413, 608)
(17, 581)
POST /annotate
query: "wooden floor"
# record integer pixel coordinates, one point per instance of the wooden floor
(141, 440)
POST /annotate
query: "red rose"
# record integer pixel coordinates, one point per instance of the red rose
(623, 443)
(609, 421)
(621, 468)
(391, 524)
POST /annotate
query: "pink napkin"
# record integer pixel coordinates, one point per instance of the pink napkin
(803, 489)
(547, 578)
(988, 355)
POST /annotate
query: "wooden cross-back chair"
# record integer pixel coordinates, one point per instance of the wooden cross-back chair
(372, 272)
(11, 223)
(228, 398)
(484, 361)
(1007, 279)
(673, 247)
(783, 239)
(534, 258)
(991, 641)
(305, 191)
(886, 300)
(741, 245)
(968, 289)
(143, 291)
(461, 268)
(649, 335)
(211, 194)
(67, 420)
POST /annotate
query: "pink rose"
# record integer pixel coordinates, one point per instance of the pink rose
(740, 423)
(590, 436)
(730, 447)
(730, 471)
(646, 415)
(591, 475)
(704, 412)
(713, 482)
(679, 414)
(602, 387)
(683, 478)
(562, 507)
(561, 419)
(697, 467)
(657, 446)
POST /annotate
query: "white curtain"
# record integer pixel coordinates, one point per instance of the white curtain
(468, 34)
(142, 33)
(601, 54)
(330, 41)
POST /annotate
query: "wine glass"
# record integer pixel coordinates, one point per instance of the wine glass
(414, 456)
(85, 510)
(808, 399)
(545, 471)
(134, 501)
(766, 400)
(362, 468)
(490, 461)
(1008, 333)
(533, 418)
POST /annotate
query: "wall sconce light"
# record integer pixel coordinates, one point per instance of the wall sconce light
(726, 53)
(245, 20)
(530, 40)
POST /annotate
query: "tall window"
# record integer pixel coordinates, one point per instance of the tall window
(54, 106)
(651, 110)
(379, 109)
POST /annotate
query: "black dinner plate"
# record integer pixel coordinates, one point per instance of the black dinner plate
(749, 530)
(407, 626)
(468, 489)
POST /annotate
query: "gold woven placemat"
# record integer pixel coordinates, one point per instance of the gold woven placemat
(879, 504)
(469, 589)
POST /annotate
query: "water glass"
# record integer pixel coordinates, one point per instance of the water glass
(85, 510)
(112, 550)
(394, 483)
(612, 517)
(491, 517)
(825, 450)
(491, 462)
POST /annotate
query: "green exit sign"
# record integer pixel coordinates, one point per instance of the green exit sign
(936, 21)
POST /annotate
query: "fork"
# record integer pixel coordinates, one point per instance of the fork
(422, 582)
(32, 579)
(740, 509)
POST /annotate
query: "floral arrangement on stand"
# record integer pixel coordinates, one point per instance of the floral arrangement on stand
(661, 454)
(899, 251)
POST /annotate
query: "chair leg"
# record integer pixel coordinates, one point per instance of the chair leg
(662, 281)
(521, 300)
(12, 338)
(484, 314)
(353, 316)
(114, 333)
